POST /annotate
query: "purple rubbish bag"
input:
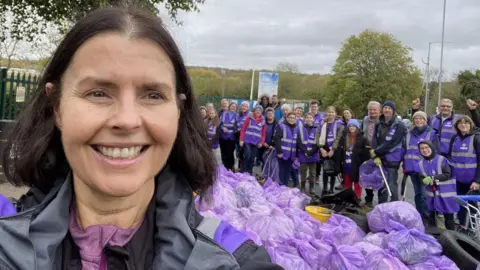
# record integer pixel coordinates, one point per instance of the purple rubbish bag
(411, 246)
(370, 175)
(375, 238)
(306, 251)
(381, 259)
(435, 262)
(387, 217)
(366, 247)
(344, 257)
(276, 225)
(343, 230)
(288, 260)
(270, 167)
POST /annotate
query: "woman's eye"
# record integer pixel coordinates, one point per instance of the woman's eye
(97, 94)
(154, 95)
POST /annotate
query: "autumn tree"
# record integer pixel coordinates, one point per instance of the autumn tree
(373, 66)
(32, 16)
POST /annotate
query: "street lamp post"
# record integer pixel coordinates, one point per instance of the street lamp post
(441, 55)
(223, 83)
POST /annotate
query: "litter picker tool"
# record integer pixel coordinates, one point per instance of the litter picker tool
(385, 180)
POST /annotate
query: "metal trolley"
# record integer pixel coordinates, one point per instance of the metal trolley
(473, 213)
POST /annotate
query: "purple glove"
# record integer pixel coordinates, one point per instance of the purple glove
(296, 164)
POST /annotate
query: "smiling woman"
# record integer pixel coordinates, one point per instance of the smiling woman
(103, 146)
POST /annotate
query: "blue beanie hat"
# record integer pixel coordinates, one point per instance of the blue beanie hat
(390, 104)
(258, 107)
(353, 122)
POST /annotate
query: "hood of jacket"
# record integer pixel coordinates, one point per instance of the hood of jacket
(38, 232)
(429, 143)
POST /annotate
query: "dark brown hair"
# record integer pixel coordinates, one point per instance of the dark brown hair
(34, 155)
(351, 112)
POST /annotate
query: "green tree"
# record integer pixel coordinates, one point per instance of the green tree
(469, 82)
(373, 66)
(206, 82)
(32, 16)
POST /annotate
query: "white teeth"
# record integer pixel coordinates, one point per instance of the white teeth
(121, 153)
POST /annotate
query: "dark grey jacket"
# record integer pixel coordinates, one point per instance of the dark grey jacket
(32, 239)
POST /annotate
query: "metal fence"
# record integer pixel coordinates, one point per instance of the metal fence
(15, 89)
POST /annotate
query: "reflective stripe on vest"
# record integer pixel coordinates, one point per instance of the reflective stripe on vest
(438, 165)
(470, 153)
(443, 195)
(415, 146)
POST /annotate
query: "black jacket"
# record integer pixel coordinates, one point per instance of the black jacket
(379, 143)
(360, 154)
(476, 116)
(279, 135)
(302, 148)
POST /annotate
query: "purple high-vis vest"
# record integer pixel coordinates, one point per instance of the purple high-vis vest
(308, 140)
(443, 199)
(6, 207)
(332, 132)
(412, 154)
(229, 120)
(253, 133)
(318, 119)
(464, 159)
(241, 119)
(396, 153)
(212, 131)
(445, 130)
(289, 142)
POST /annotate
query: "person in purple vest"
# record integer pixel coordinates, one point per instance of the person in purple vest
(224, 105)
(442, 123)
(271, 126)
(6, 207)
(328, 140)
(464, 156)
(440, 187)
(387, 149)
(243, 114)
(317, 122)
(347, 115)
(420, 132)
(354, 152)
(286, 147)
(228, 139)
(214, 130)
(299, 114)
(308, 154)
(252, 137)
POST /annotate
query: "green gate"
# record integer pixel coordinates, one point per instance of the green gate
(16, 86)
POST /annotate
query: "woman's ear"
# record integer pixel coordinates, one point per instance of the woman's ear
(49, 88)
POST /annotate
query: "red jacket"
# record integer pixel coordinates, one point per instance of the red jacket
(245, 126)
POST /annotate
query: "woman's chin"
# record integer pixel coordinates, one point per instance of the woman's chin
(126, 187)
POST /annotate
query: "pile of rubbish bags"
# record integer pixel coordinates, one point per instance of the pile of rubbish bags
(274, 216)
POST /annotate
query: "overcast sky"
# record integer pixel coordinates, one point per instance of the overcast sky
(309, 33)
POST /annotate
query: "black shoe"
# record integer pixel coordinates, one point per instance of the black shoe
(324, 192)
(330, 192)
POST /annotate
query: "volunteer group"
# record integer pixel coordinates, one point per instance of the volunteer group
(439, 153)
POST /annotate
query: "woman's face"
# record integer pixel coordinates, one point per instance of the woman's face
(257, 113)
(331, 114)
(244, 107)
(309, 119)
(212, 114)
(352, 129)
(233, 107)
(203, 113)
(115, 113)
(347, 115)
(291, 119)
(270, 115)
(419, 122)
(425, 150)
(464, 127)
(285, 112)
